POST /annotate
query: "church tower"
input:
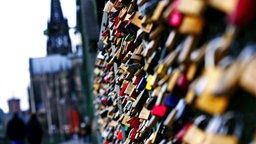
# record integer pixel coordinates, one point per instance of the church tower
(58, 41)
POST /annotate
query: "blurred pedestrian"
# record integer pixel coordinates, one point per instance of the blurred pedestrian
(34, 130)
(16, 130)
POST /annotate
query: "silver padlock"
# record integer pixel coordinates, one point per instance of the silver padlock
(220, 129)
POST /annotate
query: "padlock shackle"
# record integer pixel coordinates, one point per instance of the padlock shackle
(238, 123)
(248, 52)
(200, 119)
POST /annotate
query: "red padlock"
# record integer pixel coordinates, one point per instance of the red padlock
(104, 100)
(243, 14)
(179, 136)
(183, 82)
(121, 93)
(134, 122)
(159, 110)
(175, 17)
(120, 135)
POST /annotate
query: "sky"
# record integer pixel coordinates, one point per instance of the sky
(22, 23)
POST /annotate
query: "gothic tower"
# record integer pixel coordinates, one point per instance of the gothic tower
(58, 41)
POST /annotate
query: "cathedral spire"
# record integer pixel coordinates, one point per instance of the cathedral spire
(58, 41)
(56, 11)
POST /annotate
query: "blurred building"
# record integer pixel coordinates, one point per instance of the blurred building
(14, 105)
(55, 90)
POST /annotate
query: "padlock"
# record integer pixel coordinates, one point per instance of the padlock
(141, 2)
(221, 133)
(151, 47)
(137, 79)
(157, 32)
(152, 99)
(139, 36)
(113, 123)
(227, 6)
(131, 135)
(142, 84)
(131, 27)
(179, 115)
(118, 4)
(178, 138)
(205, 85)
(121, 26)
(122, 13)
(239, 17)
(136, 20)
(131, 7)
(243, 15)
(132, 68)
(192, 7)
(166, 63)
(163, 80)
(234, 73)
(130, 90)
(171, 101)
(151, 62)
(140, 100)
(197, 22)
(134, 122)
(107, 132)
(159, 134)
(173, 80)
(109, 5)
(195, 133)
(156, 16)
(161, 95)
(171, 14)
(147, 8)
(137, 56)
(171, 39)
(127, 57)
(247, 80)
(148, 86)
(159, 110)
(149, 125)
(125, 120)
(127, 106)
(186, 77)
(144, 113)
(188, 47)
(115, 14)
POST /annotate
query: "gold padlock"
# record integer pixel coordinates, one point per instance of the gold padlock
(217, 132)
(226, 6)
(173, 79)
(207, 101)
(206, 84)
(195, 135)
(109, 5)
(188, 46)
(192, 7)
(144, 113)
(156, 16)
(248, 77)
(191, 25)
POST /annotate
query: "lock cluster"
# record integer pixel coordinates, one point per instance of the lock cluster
(170, 71)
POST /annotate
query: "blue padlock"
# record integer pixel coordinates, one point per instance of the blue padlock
(142, 84)
(171, 101)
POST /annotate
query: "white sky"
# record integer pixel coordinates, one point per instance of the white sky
(22, 23)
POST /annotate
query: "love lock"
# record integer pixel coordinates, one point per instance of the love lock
(228, 129)
(205, 86)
